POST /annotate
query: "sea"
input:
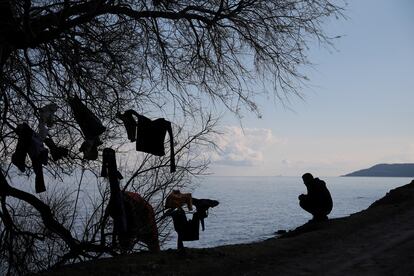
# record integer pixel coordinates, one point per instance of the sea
(254, 208)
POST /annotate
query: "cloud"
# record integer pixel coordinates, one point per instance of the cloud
(242, 147)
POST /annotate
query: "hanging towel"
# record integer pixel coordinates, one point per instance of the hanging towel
(151, 136)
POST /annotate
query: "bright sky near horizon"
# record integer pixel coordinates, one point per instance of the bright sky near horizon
(358, 109)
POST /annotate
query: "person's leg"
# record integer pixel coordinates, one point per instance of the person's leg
(306, 205)
(309, 206)
(320, 216)
(180, 244)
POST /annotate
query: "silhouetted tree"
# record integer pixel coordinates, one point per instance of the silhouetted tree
(161, 58)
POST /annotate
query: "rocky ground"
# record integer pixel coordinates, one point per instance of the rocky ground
(376, 241)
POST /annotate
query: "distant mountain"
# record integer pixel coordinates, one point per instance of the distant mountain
(391, 170)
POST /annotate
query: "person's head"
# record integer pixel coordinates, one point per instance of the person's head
(307, 178)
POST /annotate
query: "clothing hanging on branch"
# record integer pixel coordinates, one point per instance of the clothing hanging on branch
(29, 143)
(46, 120)
(187, 230)
(56, 151)
(149, 135)
(134, 217)
(91, 128)
(141, 224)
(130, 123)
(116, 202)
(176, 199)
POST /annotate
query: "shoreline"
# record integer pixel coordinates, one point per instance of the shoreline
(376, 241)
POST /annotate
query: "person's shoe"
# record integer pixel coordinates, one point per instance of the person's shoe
(319, 218)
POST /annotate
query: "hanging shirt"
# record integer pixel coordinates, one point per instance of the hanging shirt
(151, 136)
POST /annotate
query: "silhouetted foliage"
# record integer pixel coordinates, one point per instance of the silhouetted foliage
(161, 58)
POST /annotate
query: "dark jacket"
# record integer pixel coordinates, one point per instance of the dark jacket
(319, 195)
(151, 136)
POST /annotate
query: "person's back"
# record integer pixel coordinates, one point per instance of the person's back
(318, 201)
(323, 196)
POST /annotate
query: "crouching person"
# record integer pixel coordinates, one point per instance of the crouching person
(318, 200)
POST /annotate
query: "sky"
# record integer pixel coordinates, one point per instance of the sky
(358, 108)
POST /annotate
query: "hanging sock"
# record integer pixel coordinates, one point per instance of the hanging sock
(91, 128)
(151, 136)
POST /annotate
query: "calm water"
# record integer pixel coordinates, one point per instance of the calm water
(253, 208)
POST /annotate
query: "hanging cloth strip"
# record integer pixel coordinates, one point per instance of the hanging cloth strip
(116, 202)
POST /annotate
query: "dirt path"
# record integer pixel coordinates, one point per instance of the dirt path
(377, 241)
